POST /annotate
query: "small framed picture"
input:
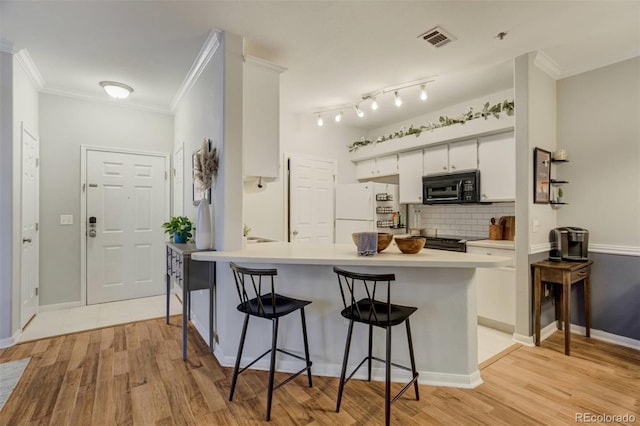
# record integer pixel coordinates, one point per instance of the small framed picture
(541, 176)
(198, 192)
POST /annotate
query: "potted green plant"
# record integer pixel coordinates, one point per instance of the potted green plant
(179, 227)
(560, 195)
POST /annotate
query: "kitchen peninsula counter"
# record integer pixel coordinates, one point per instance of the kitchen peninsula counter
(440, 284)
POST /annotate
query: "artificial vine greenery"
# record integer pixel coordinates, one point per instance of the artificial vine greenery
(487, 111)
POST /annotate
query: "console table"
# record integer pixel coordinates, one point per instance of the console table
(564, 275)
(180, 266)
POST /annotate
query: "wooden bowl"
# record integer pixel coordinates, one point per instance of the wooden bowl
(410, 245)
(384, 239)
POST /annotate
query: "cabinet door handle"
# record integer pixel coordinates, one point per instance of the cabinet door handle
(444, 167)
(453, 167)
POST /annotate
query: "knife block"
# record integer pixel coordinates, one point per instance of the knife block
(495, 232)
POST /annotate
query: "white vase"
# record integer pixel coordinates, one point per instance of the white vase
(203, 226)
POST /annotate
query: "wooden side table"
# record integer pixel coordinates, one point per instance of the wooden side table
(563, 274)
(179, 266)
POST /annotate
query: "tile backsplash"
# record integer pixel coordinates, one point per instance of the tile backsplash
(460, 220)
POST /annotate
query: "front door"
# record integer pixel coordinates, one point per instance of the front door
(311, 199)
(126, 206)
(29, 227)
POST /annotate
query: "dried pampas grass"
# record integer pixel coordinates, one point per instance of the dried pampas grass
(206, 165)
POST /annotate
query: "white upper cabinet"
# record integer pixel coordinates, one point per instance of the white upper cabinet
(410, 177)
(463, 156)
(497, 165)
(261, 118)
(375, 167)
(436, 159)
(451, 158)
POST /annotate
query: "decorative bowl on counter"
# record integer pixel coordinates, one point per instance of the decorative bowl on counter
(384, 239)
(410, 245)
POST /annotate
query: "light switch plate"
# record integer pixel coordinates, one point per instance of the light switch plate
(66, 219)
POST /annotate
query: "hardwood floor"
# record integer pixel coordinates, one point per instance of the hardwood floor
(134, 374)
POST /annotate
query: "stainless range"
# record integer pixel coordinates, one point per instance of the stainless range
(450, 243)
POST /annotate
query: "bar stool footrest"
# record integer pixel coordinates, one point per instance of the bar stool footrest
(287, 380)
(402, 367)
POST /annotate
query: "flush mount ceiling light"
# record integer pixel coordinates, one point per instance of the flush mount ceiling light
(116, 90)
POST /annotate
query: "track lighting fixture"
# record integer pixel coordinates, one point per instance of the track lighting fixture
(423, 92)
(372, 98)
(397, 99)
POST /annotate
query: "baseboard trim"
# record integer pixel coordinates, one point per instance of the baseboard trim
(10, 341)
(58, 306)
(607, 337)
(464, 381)
(498, 325)
(523, 339)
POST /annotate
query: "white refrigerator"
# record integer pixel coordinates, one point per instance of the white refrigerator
(360, 208)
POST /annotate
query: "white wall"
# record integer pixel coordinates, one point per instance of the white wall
(6, 181)
(451, 111)
(598, 124)
(199, 116)
(65, 124)
(25, 113)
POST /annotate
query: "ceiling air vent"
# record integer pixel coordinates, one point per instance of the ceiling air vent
(437, 37)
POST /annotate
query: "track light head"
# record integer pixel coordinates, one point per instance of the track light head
(359, 112)
(423, 92)
(338, 117)
(374, 104)
(320, 120)
(397, 99)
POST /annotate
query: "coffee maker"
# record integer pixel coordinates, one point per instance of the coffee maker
(569, 243)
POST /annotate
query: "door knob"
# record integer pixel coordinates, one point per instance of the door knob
(26, 240)
(295, 233)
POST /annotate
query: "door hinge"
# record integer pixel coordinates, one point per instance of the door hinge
(37, 226)
(36, 291)
(166, 175)
(84, 187)
(174, 172)
(37, 162)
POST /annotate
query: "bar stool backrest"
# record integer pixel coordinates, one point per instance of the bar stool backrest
(249, 284)
(355, 287)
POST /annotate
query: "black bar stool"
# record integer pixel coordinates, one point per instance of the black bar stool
(370, 311)
(271, 306)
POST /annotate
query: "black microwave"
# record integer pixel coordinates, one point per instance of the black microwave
(451, 188)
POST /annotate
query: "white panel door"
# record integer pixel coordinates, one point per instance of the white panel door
(29, 300)
(126, 196)
(311, 197)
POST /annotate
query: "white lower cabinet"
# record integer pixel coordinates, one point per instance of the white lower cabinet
(496, 292)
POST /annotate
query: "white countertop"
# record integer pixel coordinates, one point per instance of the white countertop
(499, 244)
(345, 254)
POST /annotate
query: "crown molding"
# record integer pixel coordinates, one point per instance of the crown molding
(548, 65)
(113, 102)
(263, 63)
(6, 46)
(204, 56)
(26, 62)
